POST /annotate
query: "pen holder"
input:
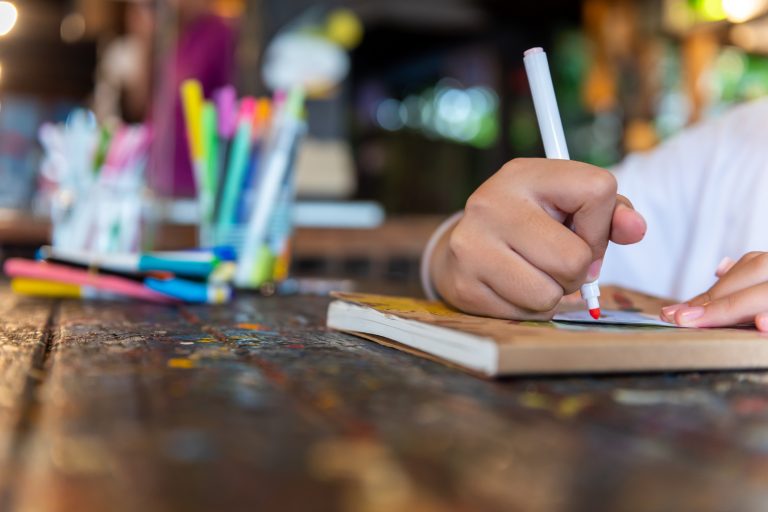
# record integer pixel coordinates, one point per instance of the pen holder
(244, 160)
(96, 176)
(104, 218)
(273, 259)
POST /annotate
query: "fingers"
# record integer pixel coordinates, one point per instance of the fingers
(480, 299)
(627, 226)
(510, 276)
(751, 269)
(724, 266)
(739, 296)
(549, 246)
(733, 309)
(761, 322)
(588, 193)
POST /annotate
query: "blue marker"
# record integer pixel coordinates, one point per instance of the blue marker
(176, 263)
(190, 291)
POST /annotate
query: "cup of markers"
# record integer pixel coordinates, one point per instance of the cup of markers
(96, 175)
(243, 153)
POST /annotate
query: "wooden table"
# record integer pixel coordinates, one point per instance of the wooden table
(256, 406)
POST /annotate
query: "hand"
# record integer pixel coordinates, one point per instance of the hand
(739, 296)
(533, 232)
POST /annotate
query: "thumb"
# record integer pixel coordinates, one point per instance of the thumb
(627, 226)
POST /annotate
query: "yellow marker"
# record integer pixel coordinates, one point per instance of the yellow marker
(57, 290)
(192, 99)
(41, 288)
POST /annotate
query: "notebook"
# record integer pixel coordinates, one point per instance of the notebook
(629, 337)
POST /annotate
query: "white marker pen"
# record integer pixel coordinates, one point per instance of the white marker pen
(551, 127)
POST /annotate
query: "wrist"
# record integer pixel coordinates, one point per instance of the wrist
(434, 258)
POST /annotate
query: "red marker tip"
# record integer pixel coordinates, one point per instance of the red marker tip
(595, 313)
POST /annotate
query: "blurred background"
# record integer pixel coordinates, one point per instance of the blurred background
(433, 100)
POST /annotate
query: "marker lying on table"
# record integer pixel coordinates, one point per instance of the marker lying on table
(190, 291)
(57, 290)
(222, 252)
(133, 276)
(17, 267)
(553, 136)
(195, 266)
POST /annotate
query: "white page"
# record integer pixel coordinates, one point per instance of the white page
(612, 317)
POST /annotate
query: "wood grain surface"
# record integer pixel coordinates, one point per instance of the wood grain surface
(256, 406)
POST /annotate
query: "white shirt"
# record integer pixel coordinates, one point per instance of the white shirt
(704, 194)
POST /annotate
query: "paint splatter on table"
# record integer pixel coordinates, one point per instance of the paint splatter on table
(256, 406)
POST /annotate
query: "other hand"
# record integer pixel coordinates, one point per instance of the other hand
(739, 296)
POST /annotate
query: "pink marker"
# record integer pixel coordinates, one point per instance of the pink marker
(226, 107)
(19, 267)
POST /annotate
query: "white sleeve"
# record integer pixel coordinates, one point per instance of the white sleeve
(697, 192)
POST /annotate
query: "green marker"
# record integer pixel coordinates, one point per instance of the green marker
(238, 166)
(209, 160)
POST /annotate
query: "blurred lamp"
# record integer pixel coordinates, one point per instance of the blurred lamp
(312, 52)
(8, 17)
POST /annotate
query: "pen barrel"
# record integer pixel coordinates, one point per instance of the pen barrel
(545, 103)
(183, 268)
(275, 168)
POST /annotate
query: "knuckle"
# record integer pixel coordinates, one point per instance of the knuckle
(459, 243)
(478, 202)
(603, 183)
(547, 299)
(579, 258)
(514, 166)
(465, 292)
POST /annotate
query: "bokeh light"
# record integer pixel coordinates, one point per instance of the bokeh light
(72, 27)
(448, 110)
(738, 11)
(8, 17)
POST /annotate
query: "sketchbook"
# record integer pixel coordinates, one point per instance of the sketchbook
(629, 337)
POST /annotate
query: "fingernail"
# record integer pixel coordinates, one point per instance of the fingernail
(594, 270)
(724, 266)
(687, 315)
(668, 312)
(761, 322)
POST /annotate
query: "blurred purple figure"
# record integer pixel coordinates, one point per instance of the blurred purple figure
(205, 50)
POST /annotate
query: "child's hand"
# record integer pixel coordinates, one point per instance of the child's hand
(739, 296)
(533, 232)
